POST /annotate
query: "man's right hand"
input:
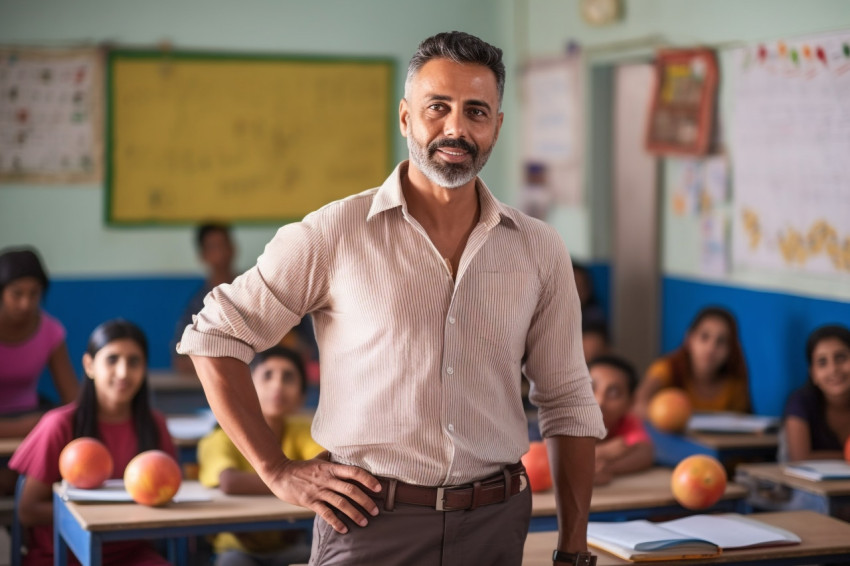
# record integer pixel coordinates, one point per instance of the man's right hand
(321, 485)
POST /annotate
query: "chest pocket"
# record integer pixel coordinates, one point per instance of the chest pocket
(498, 307)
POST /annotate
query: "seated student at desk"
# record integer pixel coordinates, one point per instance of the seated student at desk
(217, 252)
(281, 383)
(709, 367)
(30, 340)
(595, 339)
(627, 448)
(817, 416)
(113, 407)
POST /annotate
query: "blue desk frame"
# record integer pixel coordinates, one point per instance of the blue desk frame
(670, 449)
(87, 546)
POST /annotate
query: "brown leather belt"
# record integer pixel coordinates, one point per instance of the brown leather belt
(494, 489)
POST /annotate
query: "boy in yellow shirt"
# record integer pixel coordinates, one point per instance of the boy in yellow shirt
(281, 383)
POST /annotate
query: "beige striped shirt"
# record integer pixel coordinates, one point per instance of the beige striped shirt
(420, 371)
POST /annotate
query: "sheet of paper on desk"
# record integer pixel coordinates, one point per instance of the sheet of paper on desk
(190, 427)
(818, 470)
(112, 491)
(732, 423)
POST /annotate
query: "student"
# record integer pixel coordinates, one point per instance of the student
(281, 383)
(30, 341)
(627, 448)
(113, 407)
(595, 339)
(709, 366)
(817, 416)
(217, 252)
(591, 310)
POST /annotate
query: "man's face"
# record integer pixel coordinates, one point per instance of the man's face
(451, 120)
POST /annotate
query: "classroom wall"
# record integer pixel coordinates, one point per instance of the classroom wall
(147, 274)
(776, 311)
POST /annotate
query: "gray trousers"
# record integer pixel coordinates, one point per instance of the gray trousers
(493, 535)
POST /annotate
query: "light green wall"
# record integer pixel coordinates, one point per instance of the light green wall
(65, 222)
(648, 24)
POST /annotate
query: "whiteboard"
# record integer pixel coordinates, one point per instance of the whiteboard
(239, 138)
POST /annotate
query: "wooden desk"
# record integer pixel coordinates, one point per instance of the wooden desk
(825, 540)
(644, 495)
(770, 488)
(729, 449)
(84, 527)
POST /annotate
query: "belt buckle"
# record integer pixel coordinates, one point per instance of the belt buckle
(441, 499)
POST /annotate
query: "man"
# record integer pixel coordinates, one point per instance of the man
(430, 299)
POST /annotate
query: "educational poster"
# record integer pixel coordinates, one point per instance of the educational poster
(790, 137)
(552, 131)
(714, 249)
(698, 185)
(51, 115)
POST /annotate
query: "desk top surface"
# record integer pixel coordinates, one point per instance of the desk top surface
(650, 488)
(645, 489)
(821, 535)
(223, 509)
(9, 445)
(774, 473)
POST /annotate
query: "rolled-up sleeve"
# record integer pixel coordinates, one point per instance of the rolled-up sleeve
(255, 311)
(554, 363)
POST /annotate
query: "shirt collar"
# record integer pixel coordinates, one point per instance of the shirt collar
(390, 196)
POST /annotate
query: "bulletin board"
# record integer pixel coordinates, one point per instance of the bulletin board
(51, 115)
(552, 134)
(242, 138)
(790, 134)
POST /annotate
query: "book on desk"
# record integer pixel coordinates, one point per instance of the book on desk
(113, 491)
(698, 536)
(819, 470)
(732, 423)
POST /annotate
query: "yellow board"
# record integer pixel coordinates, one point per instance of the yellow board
(198, 137)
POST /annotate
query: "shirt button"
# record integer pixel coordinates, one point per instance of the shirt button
(451, 428)
(450, 371)
(451, 320)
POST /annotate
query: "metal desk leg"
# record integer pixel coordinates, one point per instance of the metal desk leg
(67, 533)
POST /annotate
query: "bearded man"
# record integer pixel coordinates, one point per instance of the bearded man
(430, 300)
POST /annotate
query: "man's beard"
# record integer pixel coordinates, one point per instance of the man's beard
(447, 175)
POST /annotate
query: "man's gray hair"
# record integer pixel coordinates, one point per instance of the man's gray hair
(459, 47)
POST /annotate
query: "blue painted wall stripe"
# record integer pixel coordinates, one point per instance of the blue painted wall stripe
(773, 327)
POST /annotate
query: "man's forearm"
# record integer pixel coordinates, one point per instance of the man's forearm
(233, 399)
(572, 463)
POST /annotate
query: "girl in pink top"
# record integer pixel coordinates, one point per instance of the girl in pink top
(113, 406)
(30, 340)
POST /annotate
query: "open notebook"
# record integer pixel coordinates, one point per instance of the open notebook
(732, 423)
(112, 491)
(698, 536)
(818, 470)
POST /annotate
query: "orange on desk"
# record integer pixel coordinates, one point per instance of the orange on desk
(85, 463)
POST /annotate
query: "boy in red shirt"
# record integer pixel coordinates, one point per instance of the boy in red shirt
(627, 448)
